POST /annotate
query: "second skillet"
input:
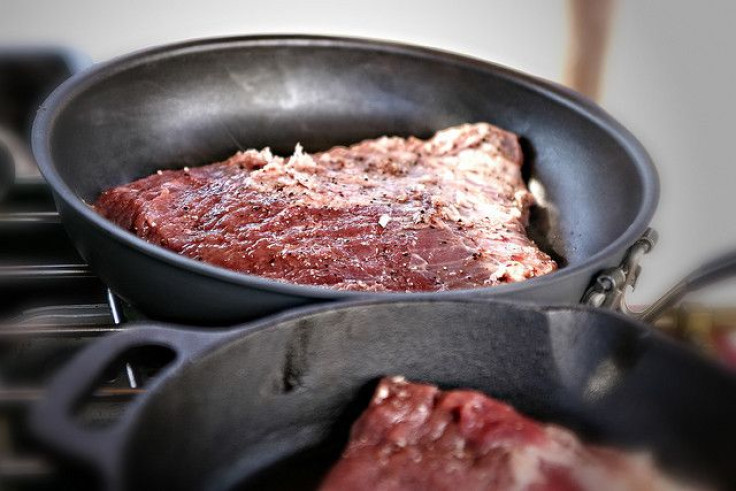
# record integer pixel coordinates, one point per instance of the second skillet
(270, 404)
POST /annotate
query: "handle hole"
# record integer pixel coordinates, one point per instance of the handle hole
(119, 383)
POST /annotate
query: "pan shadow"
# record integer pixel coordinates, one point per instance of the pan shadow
(542, 228)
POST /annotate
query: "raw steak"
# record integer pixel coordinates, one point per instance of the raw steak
(390, 214)
(416, 437)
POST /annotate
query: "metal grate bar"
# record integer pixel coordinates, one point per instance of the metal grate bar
(55, 321)
(33, 272)
(27, 395)
(30, 217)
(25, 468)
(115, 310)
(117, 318)
(29, 331)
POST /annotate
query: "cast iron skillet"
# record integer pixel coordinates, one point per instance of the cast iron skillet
(269, 405)
(193, 103)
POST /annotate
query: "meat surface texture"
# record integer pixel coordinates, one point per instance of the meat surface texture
(416, 437)
(389, 214)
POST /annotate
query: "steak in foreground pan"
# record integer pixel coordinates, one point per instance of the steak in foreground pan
(416, 437)
(389, 214)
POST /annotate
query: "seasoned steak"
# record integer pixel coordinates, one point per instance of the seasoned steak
(390, 214)
(416, 437)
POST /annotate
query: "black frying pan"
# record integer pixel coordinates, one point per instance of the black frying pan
(270, 404)
(197, 102)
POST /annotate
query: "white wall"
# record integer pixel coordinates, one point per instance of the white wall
(669, 79)
(527, 35)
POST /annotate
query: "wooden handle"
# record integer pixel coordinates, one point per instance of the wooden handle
(590, 26)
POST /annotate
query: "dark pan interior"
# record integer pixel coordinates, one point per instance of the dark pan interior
(197, 104)
(272, 409)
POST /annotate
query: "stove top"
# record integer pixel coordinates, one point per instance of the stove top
(52, 305)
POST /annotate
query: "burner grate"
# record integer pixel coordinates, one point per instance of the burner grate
(51, 306)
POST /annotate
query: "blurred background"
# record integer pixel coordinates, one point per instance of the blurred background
(666, 72)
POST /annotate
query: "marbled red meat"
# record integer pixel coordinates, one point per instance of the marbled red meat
(389, 214)
(416, 437)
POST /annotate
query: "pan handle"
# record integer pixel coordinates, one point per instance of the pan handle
(53, 418)
(713, 271)
(609, 288)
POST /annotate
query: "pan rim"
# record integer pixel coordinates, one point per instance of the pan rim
(49, 111)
